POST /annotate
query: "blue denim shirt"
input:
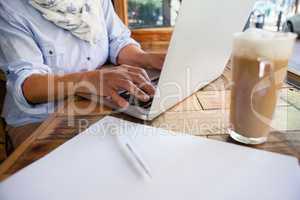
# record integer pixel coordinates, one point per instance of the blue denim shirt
(29, 44)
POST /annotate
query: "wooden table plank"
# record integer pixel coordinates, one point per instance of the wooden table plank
(286, 119)
(71, 107)
(291, 96)
(199, 123)
(190, 104)
(219, 84)
(212, 100)
(14, 157)
(221, 99)
(57, 132)
(284, 143)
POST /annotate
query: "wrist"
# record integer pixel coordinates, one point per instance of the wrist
(145, 60)
(79, 84)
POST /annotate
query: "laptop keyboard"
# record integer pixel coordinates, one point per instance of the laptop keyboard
(134, 101)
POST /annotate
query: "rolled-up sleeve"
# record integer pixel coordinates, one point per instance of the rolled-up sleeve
(16, 75)
(20, 56)
(118, 33)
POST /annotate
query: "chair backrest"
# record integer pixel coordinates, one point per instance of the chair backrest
(3, 141)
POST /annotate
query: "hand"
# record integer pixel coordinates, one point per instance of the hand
(108, 81)
(134, 56)
(155, 60)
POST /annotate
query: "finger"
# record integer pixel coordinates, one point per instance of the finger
(137, 70)
(142, 83)
(133, 90)
(148, 88)
(121, 102)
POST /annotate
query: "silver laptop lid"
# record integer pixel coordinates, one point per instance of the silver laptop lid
(199, 48)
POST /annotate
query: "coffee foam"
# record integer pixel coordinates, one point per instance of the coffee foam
(258, 43)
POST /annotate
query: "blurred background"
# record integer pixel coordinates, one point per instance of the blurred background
(152, 13)
(151, 21)
(163, 13)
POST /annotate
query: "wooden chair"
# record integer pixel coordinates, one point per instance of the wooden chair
(3, 136)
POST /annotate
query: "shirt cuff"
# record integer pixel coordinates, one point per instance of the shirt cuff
(15, 86)
(117, 46)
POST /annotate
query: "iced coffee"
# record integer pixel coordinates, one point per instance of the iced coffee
(259, 66)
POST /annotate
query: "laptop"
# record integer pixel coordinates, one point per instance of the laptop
(293, 76)
(199, 50)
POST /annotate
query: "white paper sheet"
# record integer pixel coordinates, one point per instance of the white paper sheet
(92, 166)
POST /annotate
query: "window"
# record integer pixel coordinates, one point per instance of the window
(152, 13)
(275, 12)
(150, 21)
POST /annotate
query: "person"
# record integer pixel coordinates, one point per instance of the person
(52, 49)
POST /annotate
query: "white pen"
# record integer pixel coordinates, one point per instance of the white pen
(132, 152)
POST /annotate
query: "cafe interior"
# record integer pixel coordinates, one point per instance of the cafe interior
(209, 142)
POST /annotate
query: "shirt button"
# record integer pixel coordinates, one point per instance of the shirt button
(88, 58)
(50, 52)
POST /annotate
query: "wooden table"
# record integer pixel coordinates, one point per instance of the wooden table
(204, 114)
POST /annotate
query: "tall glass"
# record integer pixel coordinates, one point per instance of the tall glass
(259, 67)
